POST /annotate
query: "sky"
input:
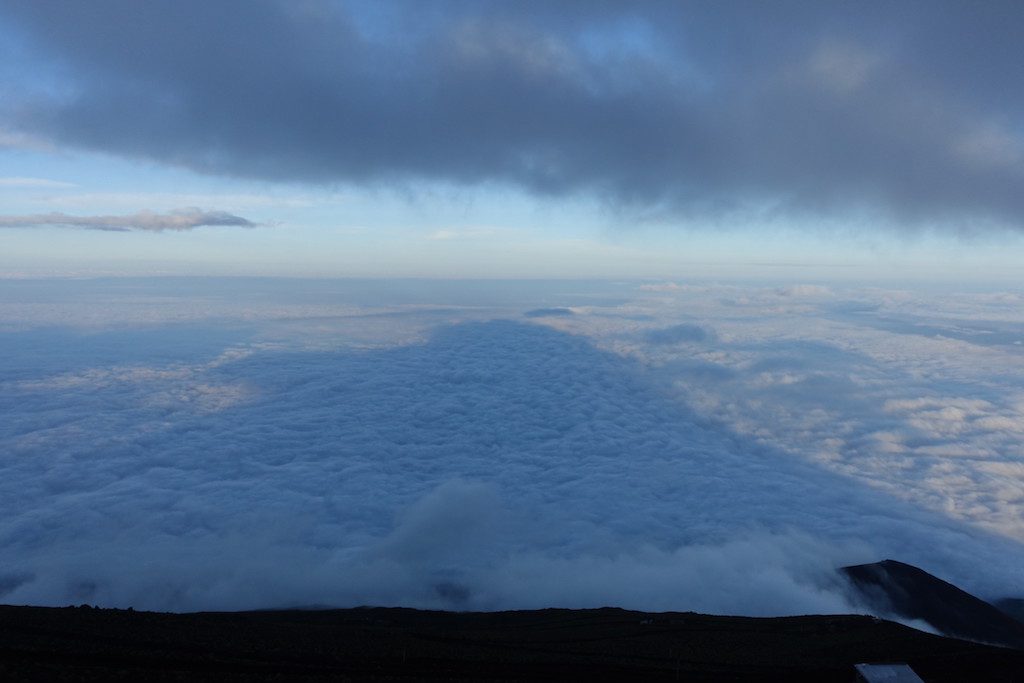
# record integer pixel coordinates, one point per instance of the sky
(500, 139)
(494, 305)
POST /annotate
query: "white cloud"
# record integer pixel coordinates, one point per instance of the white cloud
(499, 464)
(887, 387)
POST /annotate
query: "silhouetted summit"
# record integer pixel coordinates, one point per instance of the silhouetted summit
(912, 593)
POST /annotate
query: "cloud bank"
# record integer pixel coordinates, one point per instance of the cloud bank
(487, 465)
(142, 221)
(672, 111)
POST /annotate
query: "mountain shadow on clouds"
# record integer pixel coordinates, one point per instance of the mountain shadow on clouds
(496, 465)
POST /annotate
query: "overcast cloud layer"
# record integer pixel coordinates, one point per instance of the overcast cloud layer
(145, 221)
(908, 114)
(722, 449)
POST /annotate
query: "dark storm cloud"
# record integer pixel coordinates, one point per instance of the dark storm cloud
(144, 221)
(907, 112)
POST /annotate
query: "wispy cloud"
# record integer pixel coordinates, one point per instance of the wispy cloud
(448, 234)
(46, 183)
(142, 221)
(19, 140)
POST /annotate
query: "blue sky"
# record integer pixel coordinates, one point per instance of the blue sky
(423, 231)
(512, 140)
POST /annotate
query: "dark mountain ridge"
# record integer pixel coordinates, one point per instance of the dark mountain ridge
(905, 591)
(83, 643)
(88, 643)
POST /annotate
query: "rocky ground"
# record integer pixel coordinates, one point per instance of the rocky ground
(85, 643)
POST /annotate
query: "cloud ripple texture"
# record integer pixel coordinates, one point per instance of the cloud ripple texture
(495, 465)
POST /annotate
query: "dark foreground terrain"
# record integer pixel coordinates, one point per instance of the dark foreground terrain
(83, 643)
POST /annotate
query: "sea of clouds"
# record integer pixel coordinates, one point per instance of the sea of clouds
(190, 444)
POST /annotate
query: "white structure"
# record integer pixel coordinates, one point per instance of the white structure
(886, 673)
